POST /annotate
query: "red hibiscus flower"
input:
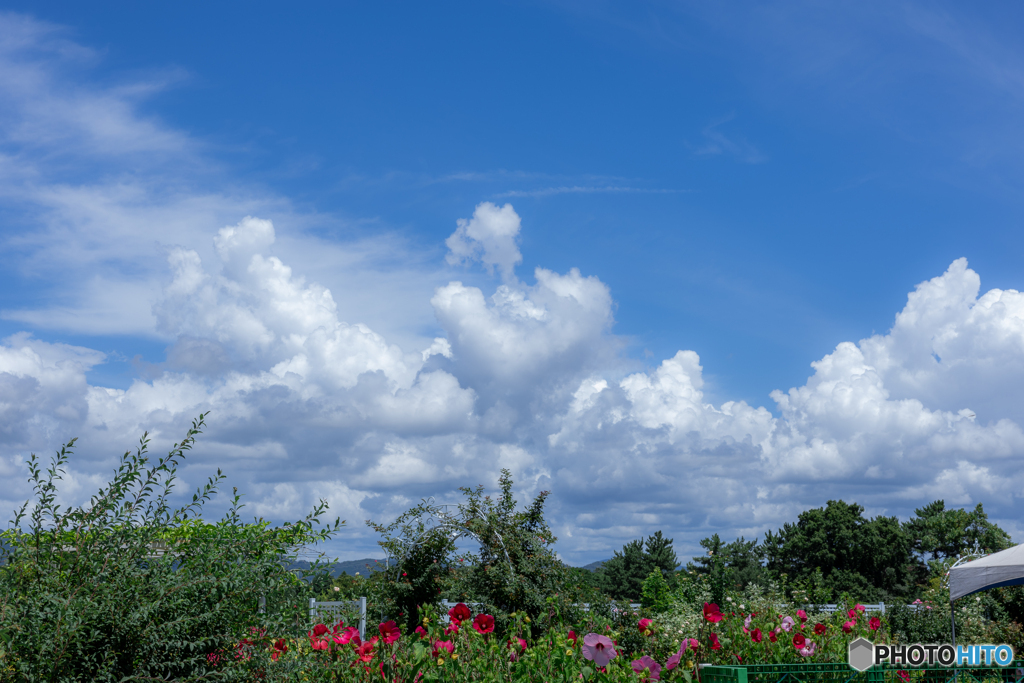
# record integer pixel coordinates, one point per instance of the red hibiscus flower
(389, 632)
(484, 623)
(712, 613)
(819, 629)
(459, 613)
(644, 626)
(756, 635)
(802, 614)
(848, 626)
(572, 637)
(772, 637)
(280, 647)
(799, 640)
(715, 645)
(319, 630)
(364, 652)
(874, 623)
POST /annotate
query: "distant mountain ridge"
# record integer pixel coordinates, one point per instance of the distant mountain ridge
(363, 567)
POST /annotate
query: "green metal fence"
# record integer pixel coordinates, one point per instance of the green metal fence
(842, 673)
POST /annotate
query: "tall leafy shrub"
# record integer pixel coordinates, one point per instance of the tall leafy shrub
(129, 587)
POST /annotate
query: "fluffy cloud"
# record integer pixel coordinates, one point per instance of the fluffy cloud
(489, 236)
(529, 378)
(328, 374)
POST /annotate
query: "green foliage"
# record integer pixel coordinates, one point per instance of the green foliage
(622, 577)
(127, 587)
(656, 592)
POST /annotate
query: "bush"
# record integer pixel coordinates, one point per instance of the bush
(929, 625)
(128, 587)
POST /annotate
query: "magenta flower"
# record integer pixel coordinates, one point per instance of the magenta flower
(443, 646)
(649, 669)
(346, 636)
(787, 624)
(802, 614)
(674, 660)
(598, 649)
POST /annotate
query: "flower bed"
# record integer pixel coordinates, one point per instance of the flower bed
(731, 645)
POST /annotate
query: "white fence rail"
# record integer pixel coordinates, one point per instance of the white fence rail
(330, 609)
(476, 607)
(876, 607)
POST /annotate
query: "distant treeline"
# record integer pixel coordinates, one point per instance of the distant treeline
(828, 551)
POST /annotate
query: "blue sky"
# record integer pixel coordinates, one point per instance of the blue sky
(760, 185)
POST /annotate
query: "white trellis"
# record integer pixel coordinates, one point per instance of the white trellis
(330, 609)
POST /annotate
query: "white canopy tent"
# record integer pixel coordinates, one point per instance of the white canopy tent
(1005, 568)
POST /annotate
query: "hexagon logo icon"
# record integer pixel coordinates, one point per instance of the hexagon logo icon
(861, 654)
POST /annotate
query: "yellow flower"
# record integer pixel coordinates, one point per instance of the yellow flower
(440, 660)
(426, 621)
(455, 655)
(568, 651)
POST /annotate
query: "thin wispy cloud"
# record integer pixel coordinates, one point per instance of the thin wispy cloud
(717, 142)
(585, 189)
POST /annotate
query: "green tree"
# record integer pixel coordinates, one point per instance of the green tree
(622, 577)
(729, 565)
(869, 558)
(423, 553)
(656, 593)
(938, 533)
(514, 568)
